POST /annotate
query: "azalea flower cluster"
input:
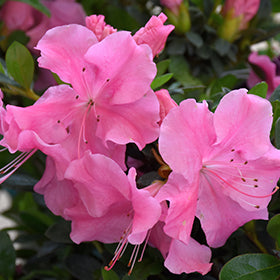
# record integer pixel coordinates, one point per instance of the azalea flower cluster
(222, 167)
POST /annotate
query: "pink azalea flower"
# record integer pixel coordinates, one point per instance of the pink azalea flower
(154, 33)
(244, 9)
(224, 167)
(267, 68)
(116, 91)
(166, 103)
(111, 208)
(97, 25)
(55, 124)
(21, 16)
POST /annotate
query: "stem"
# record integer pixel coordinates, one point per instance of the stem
(250, 230)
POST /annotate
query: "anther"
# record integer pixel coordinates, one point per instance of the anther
(58, 121)
(231, 160)
(257, 206)
(255, 186)
(232, 150)
(256, 180)
(77, 96)
(243, 179)
(246, 162)
(108, 80)
(84, 69)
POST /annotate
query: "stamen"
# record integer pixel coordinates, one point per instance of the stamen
(134, 260)
(231, 186)
(82, 130)
(145, 245)
(15, 164)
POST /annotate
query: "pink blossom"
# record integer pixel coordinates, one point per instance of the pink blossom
(267, 68)
(224, 166)
(21, 16)
(172, 5)
(111, 78)
(244, 9)
(154, 33)
(97, 25)
(166, 103)
(110, 202)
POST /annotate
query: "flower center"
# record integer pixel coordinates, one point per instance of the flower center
(236, 175)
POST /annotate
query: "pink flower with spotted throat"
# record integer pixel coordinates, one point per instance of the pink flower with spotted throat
(224, 167)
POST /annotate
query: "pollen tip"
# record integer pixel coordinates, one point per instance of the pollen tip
(257, 206)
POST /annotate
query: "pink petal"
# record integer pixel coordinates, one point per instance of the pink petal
(98, 26)
(219, 215)
(268, 68)
(242, 122)
(124, 70)
(146, 208)
(188, 258)
(133, 122)
(181, 212)
(62, 51)
(186, 134)
(99, 181)
(154, 33)
(166, 103)
(58, 194)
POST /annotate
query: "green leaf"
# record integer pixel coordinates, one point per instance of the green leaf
(161, 80)
(7, 256)
(259, 89)
(20, 64)
(251, 266)
(109, 275)
(60, 232)
(82, 266)
(222, 46)
(162, 66)
(120, 18)
(180, 68)
(38, 6)
(275, 95)
(277, 136)
(273, 227)
(275, 6)
(195, 39)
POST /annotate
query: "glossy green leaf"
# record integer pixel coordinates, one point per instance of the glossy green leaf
(7, 256)
(180, 68)
(251, 267)
(20, 64)
(259, 89)
(38, 6)
(275, 95)
(82, 266)
(60, 232)
(161, 80)
(277, 136)
(273, 227)
(195, 39)
(109, 275)
(162, 66)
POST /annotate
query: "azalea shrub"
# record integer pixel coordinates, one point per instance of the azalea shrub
(140, 139)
